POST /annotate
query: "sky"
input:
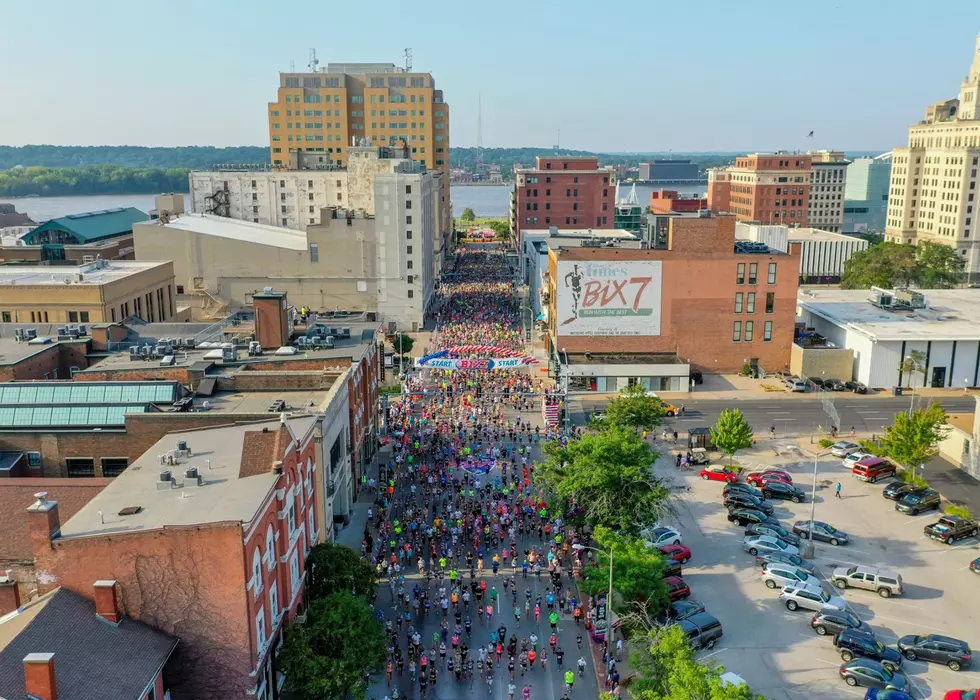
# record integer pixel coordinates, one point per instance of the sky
(636, 75)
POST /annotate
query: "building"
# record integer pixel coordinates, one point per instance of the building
(9, 216)
(828, 178)
(670, 202)
(822, 255)
(698, 301)
(66, 645)
(210, 548)
(866, 194)
(384, 265)
(76, 238)
(669, 171)
(881, 327)
(629, 213)
(96, 292)
(326, 111)
(770, 188)
(567, 191)
(933, 189)
(30, 352)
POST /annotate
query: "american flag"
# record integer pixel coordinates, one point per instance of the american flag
(810, 135)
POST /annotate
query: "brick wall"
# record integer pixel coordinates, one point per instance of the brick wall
(260, 381)
(179, 374)
(53, 362)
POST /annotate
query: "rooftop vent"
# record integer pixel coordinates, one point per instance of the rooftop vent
(131, 510)
(909, 299)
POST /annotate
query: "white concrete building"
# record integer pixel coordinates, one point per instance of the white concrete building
(933, 189)
(823, 253)
(828, 177)
(880, 329)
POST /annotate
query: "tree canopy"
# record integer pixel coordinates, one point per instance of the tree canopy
(499, 227)
(928, 265)
(94, 179)
(403, 343)
(328, 657)
(914, 363)
(164, 157)
(467, 215)
(334, 568)
(732, 433)
(637, 571)
(914, 440)
(605, 479)
(632, 409)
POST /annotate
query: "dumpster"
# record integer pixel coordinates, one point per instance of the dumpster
(897, 391)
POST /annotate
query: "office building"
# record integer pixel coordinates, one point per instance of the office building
(97, 292)
(866, 194)
(629, 212)
(822, 254)
(827, 181)
(933, 192)
(668, 171)
(770, 188)
(564, 191)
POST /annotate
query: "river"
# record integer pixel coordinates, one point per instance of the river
(483, 200)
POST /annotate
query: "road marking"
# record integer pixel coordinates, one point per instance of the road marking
(717, 651)
(914, 624)
(792, 419)
(915, 685)
(778, 412)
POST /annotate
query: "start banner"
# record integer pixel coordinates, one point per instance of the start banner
(484, 363)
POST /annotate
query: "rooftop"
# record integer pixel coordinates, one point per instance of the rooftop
(244, 231)
(97, 273)
(951, 314)
(961, 421)
(94, 225)
(556, 232)
(230, 490)
(93, 658)
(623, 358)
(13, 351)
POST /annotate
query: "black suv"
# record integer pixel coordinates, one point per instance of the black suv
(853, 643)
(935, 647)
(950, 528)
(897, 489)
(741, 488)
(745, 516)
(918, 501)
(829, 621)
(856, 387)
(735, 499)
(778, 489)
(833, 384)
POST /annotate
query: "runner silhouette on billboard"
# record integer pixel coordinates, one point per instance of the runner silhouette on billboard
(576, 285)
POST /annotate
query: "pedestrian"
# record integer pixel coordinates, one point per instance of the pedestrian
(772, 432)
(837, 490)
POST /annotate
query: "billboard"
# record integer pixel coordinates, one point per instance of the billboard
(609, 298)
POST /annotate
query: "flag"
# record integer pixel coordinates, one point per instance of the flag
(810, 135)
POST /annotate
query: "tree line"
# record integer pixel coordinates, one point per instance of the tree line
(92, 179)
(182, 157)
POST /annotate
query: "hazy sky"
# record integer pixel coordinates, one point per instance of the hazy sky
(640, 75)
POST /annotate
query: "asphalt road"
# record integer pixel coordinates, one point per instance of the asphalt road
(793, 416)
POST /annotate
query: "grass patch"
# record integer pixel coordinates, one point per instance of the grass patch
(825, 443)
(959, 512)
(772, 388)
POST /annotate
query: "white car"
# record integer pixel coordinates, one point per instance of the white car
(844, 448)
(776, 575)
(809, 597)
(660, 535)
(764, 544)
(855, 457)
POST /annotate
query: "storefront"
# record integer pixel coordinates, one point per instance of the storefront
(595, 373)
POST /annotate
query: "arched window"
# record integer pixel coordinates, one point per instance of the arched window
(270, 548)
(257, 572)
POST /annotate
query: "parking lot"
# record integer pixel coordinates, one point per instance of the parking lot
(776, 650)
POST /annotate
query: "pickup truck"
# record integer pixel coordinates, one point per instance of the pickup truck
(950, 528)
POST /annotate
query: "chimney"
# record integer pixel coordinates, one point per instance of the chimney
(43, 521)
(39, 679)
(107, 601)
(9, 594)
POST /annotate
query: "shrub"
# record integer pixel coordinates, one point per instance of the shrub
(910, 478)
(746, 370)
(825, 443)
(958, 511)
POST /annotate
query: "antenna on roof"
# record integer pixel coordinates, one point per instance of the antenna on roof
(313, 62)
(558, 142)
(408, 60)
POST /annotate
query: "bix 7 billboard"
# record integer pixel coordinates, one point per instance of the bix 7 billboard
(609, 298)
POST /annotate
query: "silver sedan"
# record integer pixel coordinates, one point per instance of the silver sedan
(756, 544)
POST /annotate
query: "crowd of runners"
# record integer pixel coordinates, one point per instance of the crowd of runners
(475, 568)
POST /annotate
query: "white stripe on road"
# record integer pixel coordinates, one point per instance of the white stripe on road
(785, 419)
(776, 412)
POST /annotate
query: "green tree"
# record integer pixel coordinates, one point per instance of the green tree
(500, 227)
(939, 266)
(403, 343)
(328, 657)
(333, 568)
(633, 409)
(914, 440)
(914, 363)
(886, 265)
(732, 433)
(638, 571)
(605, 479)
(467, 215)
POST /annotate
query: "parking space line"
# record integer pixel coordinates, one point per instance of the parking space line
(913, 624)
(708, 656)
(916, 686)
(790, 419)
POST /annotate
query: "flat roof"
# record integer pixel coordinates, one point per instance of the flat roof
(951, 314)
(224, 496)
(579, 233)
(13, 351)
(245, 231)
(624, 358)
(962, 421)
(96, 273)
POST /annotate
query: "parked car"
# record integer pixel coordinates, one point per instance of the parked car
(833, 384)
(668, 408)
(871, 674)
(743, 488)
(779, 575)
(872, 469)
(890, 694)
(764, 477)
(788, 492)
(817, 383)
(897, 489)
(676, 552)
(660, 535)
(677, 587)
(785, 558)
(717, 472)
(795, 384)
(844, 448)
(915, 503)
(856, 387)
(834, 622)
(744, 516)
(810, 597)
(856, 457)
(735, 500)
(950, 528)
(702, 630)
(822, 532)
(863, 644)
(975, 565)
(672, 568)
(776, 531)
(683, 609)
(937, 648)
(962, 694)
(883, 582)
(756, 544)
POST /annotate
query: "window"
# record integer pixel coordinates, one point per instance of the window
(767, 331)
(73, 316)
(740, 274)
(294, 574)
(408, 203)
(260, 627)
(409, 265)
(411, 278)
(270, 549)
(753, 272)
(257, 572)
(34, 460)
(80, 467)
(770, 301)
(738, 302)
(750, 303)
(6, 317)
(409, 249)
(408, 219)
(737, 331)
(411, 294)
(408, 189)
(314, 252)
(114, 466)
(273, 600)
(749, 325)
(772, 273)
(180, 289)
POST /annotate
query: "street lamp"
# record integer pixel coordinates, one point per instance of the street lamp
(808, 548)
(912, 372)
(579, 548)
(565, 389)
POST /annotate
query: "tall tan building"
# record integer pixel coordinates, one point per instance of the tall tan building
(828, 178)
(933, 189)
(328, 111)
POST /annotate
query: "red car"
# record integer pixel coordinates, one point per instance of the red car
(760, 478)
(716, 472)
(676, 552)
(677, 588)
(961, 695)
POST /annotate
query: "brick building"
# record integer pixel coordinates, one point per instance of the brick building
(695, 302)
(670, 202)
(771, 188)
(211, 550)
(565, 191)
